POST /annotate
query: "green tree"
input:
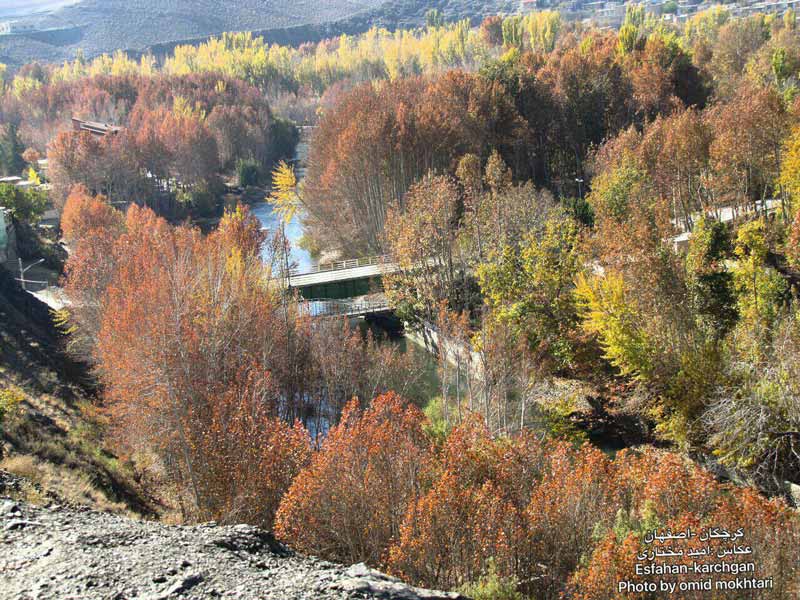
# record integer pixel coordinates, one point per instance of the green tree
(761, 291)
(530, 288)
(25, 204)
(513, 31)
(249, 172)
(11, 149)
(615, 192)
(710, 282)
(790, 168)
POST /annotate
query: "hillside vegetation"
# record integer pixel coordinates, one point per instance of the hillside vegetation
(108, 25)
(50, 434)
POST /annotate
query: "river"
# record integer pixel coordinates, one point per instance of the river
(427, 386)
(299, 258)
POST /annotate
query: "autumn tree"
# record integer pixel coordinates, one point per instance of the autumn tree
(422, 239)
(395, 133)
(185, 351)
(492, 30)
(348, 505)
(760, 290)
(661, 490)
(496, 498)
(83, 213)
(747, 159)
(735, 42)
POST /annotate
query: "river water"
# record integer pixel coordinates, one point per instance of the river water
(299, 259)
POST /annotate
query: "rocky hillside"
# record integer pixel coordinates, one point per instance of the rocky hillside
(59, 552)
(97, 26)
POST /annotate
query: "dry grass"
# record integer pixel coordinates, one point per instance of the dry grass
(66, 485)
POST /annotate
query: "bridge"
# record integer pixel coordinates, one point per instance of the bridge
(354, 287)
(342, 280)
(346, 288)
(353, 307)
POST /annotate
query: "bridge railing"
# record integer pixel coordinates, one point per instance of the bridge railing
(342, 308)
(341, 265)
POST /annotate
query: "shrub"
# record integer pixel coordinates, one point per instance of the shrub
(26, 205)
(492, 587)
(10, 399)
(200, 199)
(349, 503)
(529, 505)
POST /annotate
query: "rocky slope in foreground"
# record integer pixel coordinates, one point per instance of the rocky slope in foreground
(60, 552)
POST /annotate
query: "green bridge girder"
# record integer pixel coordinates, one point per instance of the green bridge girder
(341, 290)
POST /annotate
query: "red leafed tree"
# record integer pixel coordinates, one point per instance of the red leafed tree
(665, 491)
(572, 501)
(91, 226)
(376, 141)
(530, 505)
(191, 147)
(349, 503)
(84, 213)
(186, 350)
(249, 458)
(72, 160)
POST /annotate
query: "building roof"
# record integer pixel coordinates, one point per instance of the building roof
(95, 127)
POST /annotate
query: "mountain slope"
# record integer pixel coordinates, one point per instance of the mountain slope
(53, 435)
(98, 26)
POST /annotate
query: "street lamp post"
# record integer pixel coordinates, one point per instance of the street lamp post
(22, 271)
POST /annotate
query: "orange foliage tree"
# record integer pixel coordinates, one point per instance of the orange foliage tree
(530, 506)
(349, 503)
(663, 491)
(186, 347)
(84, 213)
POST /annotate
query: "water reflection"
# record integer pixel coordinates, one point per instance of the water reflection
(299, 259)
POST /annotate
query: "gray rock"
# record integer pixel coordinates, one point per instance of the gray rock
(184, 585)
(370, 583)
(61, 552)
(9, 507)
(20, 524)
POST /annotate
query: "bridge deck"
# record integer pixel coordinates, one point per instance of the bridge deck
(307, 279)
(347, 270)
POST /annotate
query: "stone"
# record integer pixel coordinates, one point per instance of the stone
(20, 524)
(69, 552)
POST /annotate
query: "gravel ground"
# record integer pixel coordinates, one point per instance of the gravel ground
(61, 552)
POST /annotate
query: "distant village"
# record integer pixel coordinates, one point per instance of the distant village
(612, 14)
(598, 13)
